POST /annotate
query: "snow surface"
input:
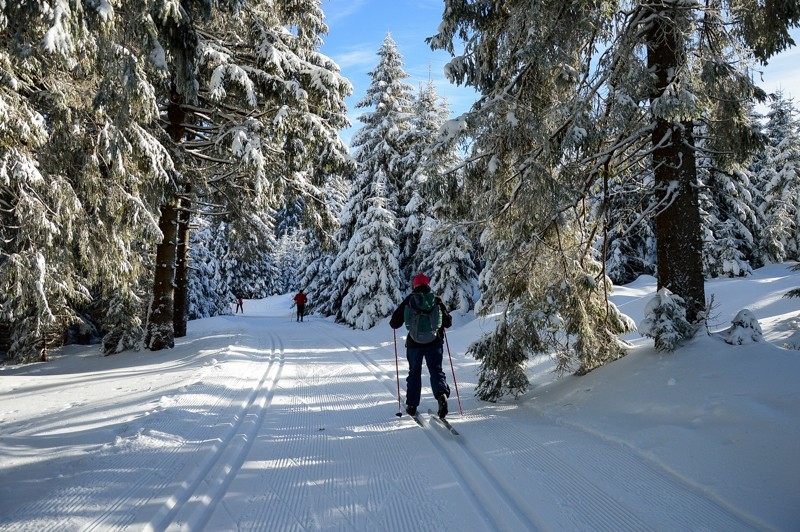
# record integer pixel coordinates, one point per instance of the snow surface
(256, 421)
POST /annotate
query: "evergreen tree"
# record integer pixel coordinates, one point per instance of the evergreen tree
(316, 269)
(729, 219)
(82, 165)
(124, 118)
(314, 274)
(779, 181)
(572, 95)
(248, 61)
(288, 263)
(446, 252)
(380, 152)
(627, 240)
(250, 267)
(372, 269)
(427, 164)
(209, 295)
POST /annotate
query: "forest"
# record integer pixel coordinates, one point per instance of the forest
(160, 158)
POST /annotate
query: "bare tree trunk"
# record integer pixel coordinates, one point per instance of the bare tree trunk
(160, 328)
(167, 316)
(182, 267)
(678, 232)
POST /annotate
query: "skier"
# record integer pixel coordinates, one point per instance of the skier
(300, 300)
(239, 304)
(426, 317)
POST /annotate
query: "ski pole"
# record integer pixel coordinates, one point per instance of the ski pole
(397, 375)
(455, 382)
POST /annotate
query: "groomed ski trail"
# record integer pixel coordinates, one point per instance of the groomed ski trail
(293, 427)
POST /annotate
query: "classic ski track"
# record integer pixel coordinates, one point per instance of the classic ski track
(574, 488)
(471, 483)
(688, 505)
(210, 449)
(81, 496)
(589, 505)
(200, 494)
(585, 499)
(386, 505)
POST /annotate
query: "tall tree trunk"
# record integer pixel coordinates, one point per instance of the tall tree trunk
(182, 267)
(160, 327)
(678, 227)
(167, 317)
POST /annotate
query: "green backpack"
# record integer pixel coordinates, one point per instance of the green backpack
(423, 317)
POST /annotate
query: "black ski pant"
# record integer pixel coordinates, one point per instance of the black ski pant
(432, 355)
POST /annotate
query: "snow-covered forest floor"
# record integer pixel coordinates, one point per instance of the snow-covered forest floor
(256, 422)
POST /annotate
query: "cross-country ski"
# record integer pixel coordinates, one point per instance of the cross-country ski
(443, 422)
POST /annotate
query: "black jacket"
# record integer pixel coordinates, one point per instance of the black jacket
(398, 319)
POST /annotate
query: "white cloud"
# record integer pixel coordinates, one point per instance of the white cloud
(363, 55)
(337, 10)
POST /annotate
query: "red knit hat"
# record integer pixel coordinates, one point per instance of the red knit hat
(421, 279)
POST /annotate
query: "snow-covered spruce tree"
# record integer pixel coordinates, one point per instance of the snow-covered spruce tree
(209, 295)
(316, 270)
(288, 262)
(250, 266)
(380, 151)
(744, 329)
(665, 320)
(779, 182)
(445, 253)
(313, 273)
(78, 111)
(427, 163)
(525, 178)
(288, 219)
(572, 94)
(264, 120)
(727, 210)
(627, 240)
(371, 267)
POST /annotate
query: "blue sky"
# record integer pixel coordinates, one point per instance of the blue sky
(358, 27)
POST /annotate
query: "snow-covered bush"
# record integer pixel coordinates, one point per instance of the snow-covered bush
(744, 329)
(793, 342)
(665, 320)
(795, 292)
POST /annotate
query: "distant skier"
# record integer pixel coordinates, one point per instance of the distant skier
(300, 300)
(239, 305)
(425, 317)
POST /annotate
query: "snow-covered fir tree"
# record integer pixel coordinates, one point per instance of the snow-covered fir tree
(445, 254)
(665, 320)
(315, 272)
(428, 163)
(380, 151)
(572, 95)
(142, 151)
(779, 182)
(627, 239)
(266, 59)
(209, 294)
(81, 165)
(727, 206)
(371, 269)
(288, 263)
(250, 265)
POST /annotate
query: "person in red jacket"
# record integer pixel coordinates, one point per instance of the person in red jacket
(300, 300)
